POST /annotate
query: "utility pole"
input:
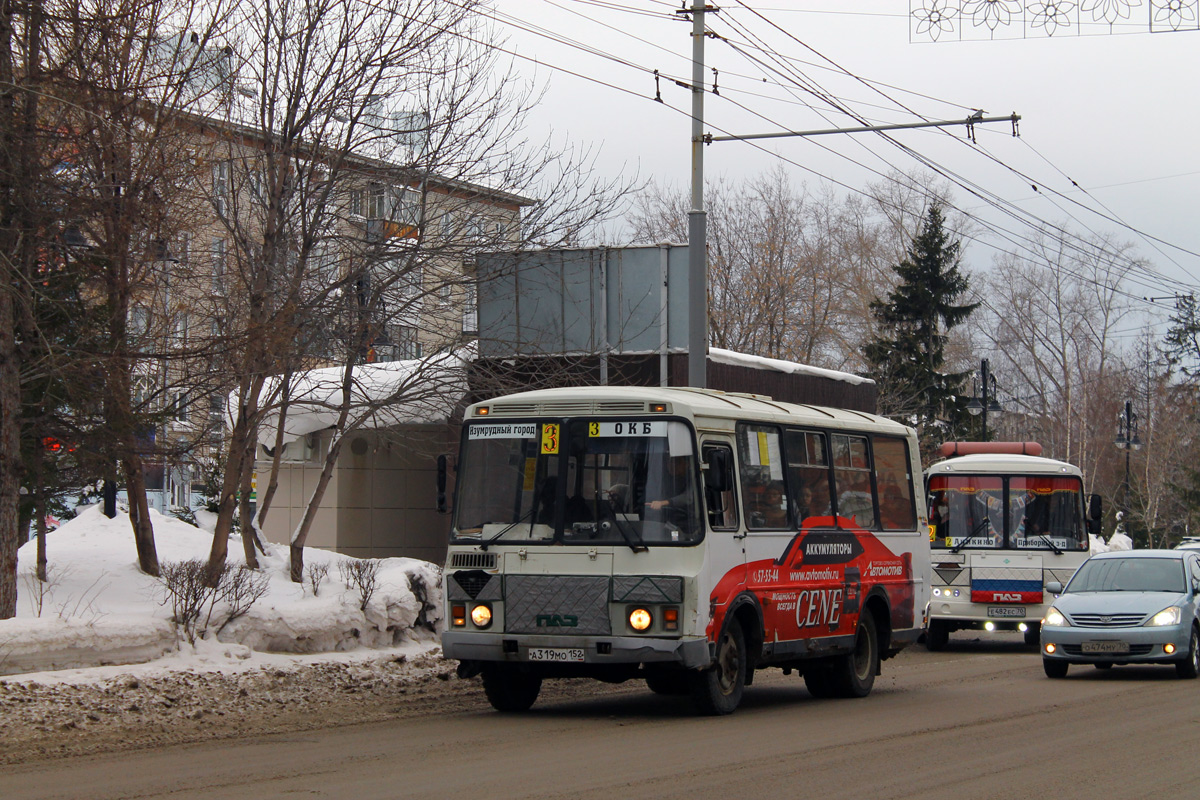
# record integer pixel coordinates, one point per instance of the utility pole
(697, 221)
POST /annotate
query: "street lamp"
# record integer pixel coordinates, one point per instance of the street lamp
(985, 401)
(1127, 439)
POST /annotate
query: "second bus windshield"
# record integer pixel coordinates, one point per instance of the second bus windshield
(1026, 512)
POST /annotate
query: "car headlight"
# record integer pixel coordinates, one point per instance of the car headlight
(1055, 618)
(1168, 616)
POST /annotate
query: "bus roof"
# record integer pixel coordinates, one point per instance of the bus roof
(1003, 463)
(598, 400)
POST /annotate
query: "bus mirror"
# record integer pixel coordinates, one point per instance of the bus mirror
(1095, 512)
(719, 476)
(442, 466)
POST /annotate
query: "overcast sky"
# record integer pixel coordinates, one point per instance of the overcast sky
(1113, 112)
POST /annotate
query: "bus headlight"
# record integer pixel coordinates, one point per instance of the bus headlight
(481, 615)
(640, 619)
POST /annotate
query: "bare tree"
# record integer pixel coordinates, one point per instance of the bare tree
(369, 151)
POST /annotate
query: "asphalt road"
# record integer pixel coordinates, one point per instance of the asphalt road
(978, 720)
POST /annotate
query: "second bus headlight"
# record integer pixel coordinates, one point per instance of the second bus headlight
(481, 615)
(640, 619)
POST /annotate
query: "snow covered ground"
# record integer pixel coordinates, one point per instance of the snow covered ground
(98, 609)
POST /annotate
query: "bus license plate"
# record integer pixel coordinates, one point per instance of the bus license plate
(567, 654)
(1006, 611)
(1105, 647)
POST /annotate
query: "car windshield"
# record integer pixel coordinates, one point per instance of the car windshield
(1128, 575)
(584, 481)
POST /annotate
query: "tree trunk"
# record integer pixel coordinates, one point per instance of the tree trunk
(10, 458)
(250, 540)
(139, 514)
(296, 571)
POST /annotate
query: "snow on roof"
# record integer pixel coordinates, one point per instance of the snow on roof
(424, 390)
(777, 365)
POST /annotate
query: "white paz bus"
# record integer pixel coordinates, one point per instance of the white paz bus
(1003, 522)
(685, 537)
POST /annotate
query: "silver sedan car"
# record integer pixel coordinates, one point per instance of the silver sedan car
(1126, 607)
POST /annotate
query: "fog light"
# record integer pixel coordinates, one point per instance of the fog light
(1050, 648)
(640, 619)
(1022, 627)
(671, 618)
(458, 616)
(481, 615)
(989, 626)
(1168, 648)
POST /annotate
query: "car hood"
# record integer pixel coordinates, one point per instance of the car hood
(1117, 602)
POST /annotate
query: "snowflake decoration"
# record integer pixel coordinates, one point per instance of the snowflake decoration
(1175, 13)
(1109, 10)
(935, 17)
(1051, 15)
(991, 13)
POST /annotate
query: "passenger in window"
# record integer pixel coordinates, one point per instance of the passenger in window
(773, 508)
(677, 501)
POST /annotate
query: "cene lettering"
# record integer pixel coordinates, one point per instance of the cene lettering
(819, 607)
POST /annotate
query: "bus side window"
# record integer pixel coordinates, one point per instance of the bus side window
(852, 475)
(722, 505)
(763, 491)
(808, 473)
(896, 510)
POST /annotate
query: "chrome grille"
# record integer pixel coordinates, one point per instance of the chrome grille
(1107, 620)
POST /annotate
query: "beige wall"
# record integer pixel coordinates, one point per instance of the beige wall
(380, 502)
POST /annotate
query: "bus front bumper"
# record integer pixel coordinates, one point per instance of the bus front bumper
(688, 652)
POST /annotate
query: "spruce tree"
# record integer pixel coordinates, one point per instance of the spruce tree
(907, 356)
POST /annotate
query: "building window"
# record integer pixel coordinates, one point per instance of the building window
(220, 187)
(405, 338)
(218, 265)
(377, 201)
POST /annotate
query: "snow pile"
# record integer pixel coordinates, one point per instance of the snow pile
(98, 608)
(1118, 541)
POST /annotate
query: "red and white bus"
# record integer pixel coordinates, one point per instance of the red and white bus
(1003, 522)
(685, 537)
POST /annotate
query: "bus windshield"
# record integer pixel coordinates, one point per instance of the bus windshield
(996, 512)
(583, 481)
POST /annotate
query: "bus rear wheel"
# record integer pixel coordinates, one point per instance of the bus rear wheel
(510, 689)
(718, 689)
(853, 674)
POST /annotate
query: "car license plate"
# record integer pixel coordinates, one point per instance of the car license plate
(568, 654)
(1006, 611)
(1105, 647)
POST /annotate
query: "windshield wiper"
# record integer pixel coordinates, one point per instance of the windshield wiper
(982, 524)
(627, 533)
(523, 518)
(1050, 542)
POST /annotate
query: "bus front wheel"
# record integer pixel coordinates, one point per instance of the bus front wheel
(718, 689)
(509, 689)
(937, 636)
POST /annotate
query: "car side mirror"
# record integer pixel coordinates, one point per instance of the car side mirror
(442, 469)
(1054, 587)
